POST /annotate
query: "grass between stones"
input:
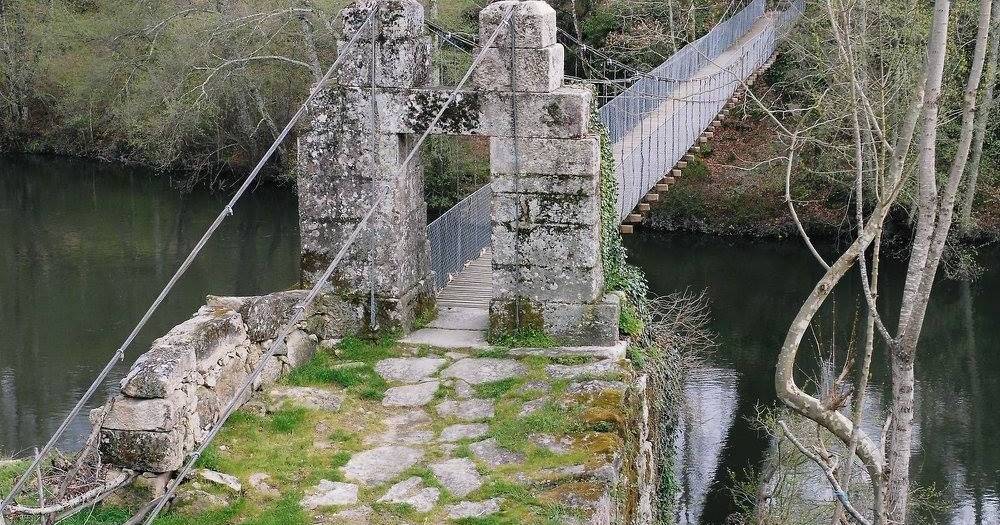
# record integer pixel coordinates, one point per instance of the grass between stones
(298, 447)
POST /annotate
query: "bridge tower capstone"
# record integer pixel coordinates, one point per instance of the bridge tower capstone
(545, 164)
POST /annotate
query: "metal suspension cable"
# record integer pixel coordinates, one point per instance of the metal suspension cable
(227, 211)
(301, 307)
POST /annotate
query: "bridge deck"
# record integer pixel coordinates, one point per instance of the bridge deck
(463, 309)
(472, 287)
(652, 138)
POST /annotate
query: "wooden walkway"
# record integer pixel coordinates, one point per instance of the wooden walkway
(472, 287)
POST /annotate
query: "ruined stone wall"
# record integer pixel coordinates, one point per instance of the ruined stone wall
(175, 392)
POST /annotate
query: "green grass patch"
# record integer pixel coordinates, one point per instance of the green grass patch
(358, 374)
(285, 511)
(209, 459)
(495, 353)
(288, 420)
(512, 431)
(213, 517)
(400, 510)
(109, 515)
(360, 349)
(497, 389)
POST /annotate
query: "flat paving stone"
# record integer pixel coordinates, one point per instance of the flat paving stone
(379, 465)
(489, 452)
(446, 338)
(409, 418)
(357, 516)
(306, 397)
(616, 352)
(474, 509)
(607, 366)
(410, 395)
(458, 475)
(400, 436)
(456, 318)
(479, 370)
(412, 491)
(330, 494)
(460, 432)
(467, 410)
(409, 369)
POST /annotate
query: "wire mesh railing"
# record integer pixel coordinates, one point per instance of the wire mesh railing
(654, 122)
(651, 125)
(459, 235)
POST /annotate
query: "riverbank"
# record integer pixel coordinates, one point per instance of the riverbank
(736, 184)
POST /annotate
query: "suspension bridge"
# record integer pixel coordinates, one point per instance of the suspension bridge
(523, 251)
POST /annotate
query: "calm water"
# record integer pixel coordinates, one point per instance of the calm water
(84, 249)
(756, 288)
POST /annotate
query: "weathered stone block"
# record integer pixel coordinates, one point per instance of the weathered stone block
(563, 113)
(395, 18)
(299, 348)
(558, 156)
(538, 70)
(399, 62)
(548, 245)
(553, 184)
(143, 451)
(161, 371)
(544, 284)
(594, 324)
(534, 24)
(158, 415)
(265, 315)
(538, 210)
(585, 324)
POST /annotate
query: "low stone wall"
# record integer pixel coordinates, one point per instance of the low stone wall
(175, 392)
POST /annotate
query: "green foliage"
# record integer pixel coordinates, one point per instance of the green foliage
(618, 274)
(457, 166)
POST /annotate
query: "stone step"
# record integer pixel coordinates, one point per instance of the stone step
(597, 352)
(461, 319)
(445, 338)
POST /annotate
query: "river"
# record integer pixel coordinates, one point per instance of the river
(755, 288)
(84, 249)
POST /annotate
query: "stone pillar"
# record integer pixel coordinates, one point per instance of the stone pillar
(346, 158)
(547, 271)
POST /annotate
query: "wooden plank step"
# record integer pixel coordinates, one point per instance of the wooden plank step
(625, 229)
(662, 187)
(668, 180)
(652, 197)
(676, 173)
(644, 207)
(682, 164)
(634, 218)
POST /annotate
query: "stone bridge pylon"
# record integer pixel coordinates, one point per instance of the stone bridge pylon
(544, 161)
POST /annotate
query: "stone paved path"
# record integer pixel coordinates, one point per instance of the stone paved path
(460, 436)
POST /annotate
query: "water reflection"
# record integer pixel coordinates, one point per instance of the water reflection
(84, 248)
(704, 427)
(755, 288)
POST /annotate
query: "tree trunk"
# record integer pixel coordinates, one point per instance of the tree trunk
(982, 119)
(900, 437)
